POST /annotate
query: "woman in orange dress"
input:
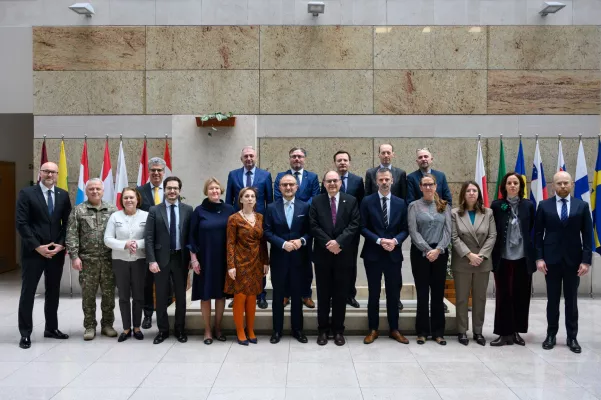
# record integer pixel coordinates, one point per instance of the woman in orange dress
(247, 263)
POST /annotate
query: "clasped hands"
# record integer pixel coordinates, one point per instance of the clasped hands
(45, 251)
(388, 244)
(292, 245)
(432, 255)
(475, 259)
(232, 272)
(333, 246)
(132, 246)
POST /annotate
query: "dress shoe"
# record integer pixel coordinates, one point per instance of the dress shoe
(371, 337)
(574, 346)
(401, 306)
(147, 323)
(275, 337)
(160, 338)
(398, 336)
(421, 339)
(208, 341)
(446, 308)
(300, 336)
(25, 342)
(549, 342)
(231, 304)
(262, 304)
(108, 331)
(462, 338)
(351, 301)
(89, 334)
(242, 342)
(339, 340)
(219, 337)
(286, 302)
(479, 339)
(308, 302)
(440, 340)
(502, 341)
(253, 340)
(181, 337)
(139, 335)
(517, 339)
(322, 339)
(124, 336)
(55, 334)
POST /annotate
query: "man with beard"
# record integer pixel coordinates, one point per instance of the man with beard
(424, 161)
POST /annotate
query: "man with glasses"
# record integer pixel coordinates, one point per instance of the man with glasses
(424, 162)
(42, 214)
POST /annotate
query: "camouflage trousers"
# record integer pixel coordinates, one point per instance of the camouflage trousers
(94, 273)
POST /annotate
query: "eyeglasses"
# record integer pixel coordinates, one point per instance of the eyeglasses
(328, 181)
(288, 184)
(49, 172)
(171, 189)
(428, 185)
(297, 156)
(156, 170)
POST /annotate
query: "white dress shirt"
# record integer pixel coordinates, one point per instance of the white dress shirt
(252, 175)
(300, 176)
(45, 193)
(122, 227)
(388, 211)
(177, 239)
(559, 204)
(337, 197)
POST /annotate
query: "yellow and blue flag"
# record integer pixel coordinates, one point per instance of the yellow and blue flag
(596, 200)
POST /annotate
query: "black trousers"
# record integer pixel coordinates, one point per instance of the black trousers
(32, 269)
(130, 276)
(429, 282)
(282, 277)
(148, 295)
(392, 280)
(332, 276)
(513, 290)
(177, 272)
(352, 292)
(568, 275)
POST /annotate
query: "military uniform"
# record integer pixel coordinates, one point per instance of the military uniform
(85, 239)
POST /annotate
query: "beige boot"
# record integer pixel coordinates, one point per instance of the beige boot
(89, 334)
(108, 331)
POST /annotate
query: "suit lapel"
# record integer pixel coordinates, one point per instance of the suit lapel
(42, 200)
(465, 219)
(149, 193)
(477, 223)
(163, 211)
(281, 213)
(182, 217)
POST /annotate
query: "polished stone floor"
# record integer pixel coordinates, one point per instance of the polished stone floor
(107, 370)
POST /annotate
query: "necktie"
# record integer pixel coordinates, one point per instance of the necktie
(564, 210)
(248, 180)
(297, 176)
(50, 203)
(157, 199)
(385, 211)
(343, 184)
(333, 207)
(289, 213)
(172, 230)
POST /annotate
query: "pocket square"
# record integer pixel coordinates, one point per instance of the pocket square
(301, 215)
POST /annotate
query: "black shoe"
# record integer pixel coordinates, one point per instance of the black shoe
(55, 334)
(300, 336)
(124, 336)
(502, 341)
(160, 338)
(401, 306)
(352, 302)
(242, 342)
(479, 339)
(221, 337)
(574, 346)
(231, 305)
(262, 304)
(208, 341)
(550, 342)
(253, 340)
(147, 323)
(181, 337)
(25, 342)
(517, 339)
(322, 339)
(139, 335)
(462, 338)
(275, 337)
(339, 339)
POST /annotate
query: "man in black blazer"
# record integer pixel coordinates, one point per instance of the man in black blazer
(42, 214)
(335, 221)
(152, 194)
(286, 227)
(166, 237)
(424, 161)
(563, 240)
(384, 226)
(399, 187)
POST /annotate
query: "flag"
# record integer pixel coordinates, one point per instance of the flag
(167, 158)
(502, 171)
(481, 174)
(143, 170)
(62, 169)
(561, 164)
(538, 185)
(43, 157)
(106, 175)
(520, 167)
(581, 190)
(84, 175)
(596, 201)
(121, 177)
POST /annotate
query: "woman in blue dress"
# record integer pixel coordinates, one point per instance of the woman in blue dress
(207, 247)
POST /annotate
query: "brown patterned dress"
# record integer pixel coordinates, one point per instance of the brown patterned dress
(247, 252)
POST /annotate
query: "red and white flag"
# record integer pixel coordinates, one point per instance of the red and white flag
(167, 158)
(481, 174)
(106, 174)
(143, 176)
(121, 177)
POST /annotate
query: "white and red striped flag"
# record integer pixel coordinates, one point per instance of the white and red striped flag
(481, 174)
(121, 177)
(143, 176)
(106, 174)
(538, 184)
(167, 158)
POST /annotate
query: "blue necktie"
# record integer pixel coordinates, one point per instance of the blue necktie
(172, 230)
(50, 203)
(343, 184)
(564, 210)
(385, 211)
(289, 213)
(248, 180)
(296, 175)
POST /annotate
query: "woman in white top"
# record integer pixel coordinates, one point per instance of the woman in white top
(124, 234)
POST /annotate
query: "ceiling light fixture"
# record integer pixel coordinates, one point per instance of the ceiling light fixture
(82, 9)
(316, 7)
(551, 7)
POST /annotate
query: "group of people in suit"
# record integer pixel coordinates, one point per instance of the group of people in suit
(308, 222)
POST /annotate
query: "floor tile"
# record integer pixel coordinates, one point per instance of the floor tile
(380, 375)
(382, 350)
(529, 374)
(7, 368)
(44, 374)
(514, 352)
(553, 394)
(94, 394)
(473, 375)
(393, 394)
(182, 352)
(135, 351)
(252, 375)
(323, 393)
(83, 352)
(171, 393)
(12, 352)
(326, 375)
(433, 352)
(313, 353)
(28, 393)
(116, 375)
(585, 374)
(247, 394)
(262, 352)
(182, 375)
(477, 393)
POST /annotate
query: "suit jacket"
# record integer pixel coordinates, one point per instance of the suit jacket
(354, 187)
(348, 222)
(308, 189)
(442, 186)
(276, 231)
(34, 225)
(147, 196)
(502, 215)
(478, 238)
(262, 182)
(399, 187)
(156, 234)
(560, 242)
(372, 228)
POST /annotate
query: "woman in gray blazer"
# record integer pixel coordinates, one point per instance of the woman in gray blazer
(473, 237)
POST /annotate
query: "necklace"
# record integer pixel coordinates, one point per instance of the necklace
(252, 222)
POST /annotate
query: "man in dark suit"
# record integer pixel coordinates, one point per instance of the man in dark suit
(351, 184)
(308, 187)
(42, 214)
(399, 188)
(250, 176)
(563, 241)
(166, 237)
(424, 162)
(152, 194)
(384, 226)
(286, 227)
(335, 221)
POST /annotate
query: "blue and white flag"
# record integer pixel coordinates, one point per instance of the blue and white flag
(581, 189)
(561, 164)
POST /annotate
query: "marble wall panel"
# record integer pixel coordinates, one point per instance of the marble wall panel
(202, 47)
(316, 47)
(430, 47)
(430, 92)
(544, 47)
(200, 92)
(88, 92)
(316, 92)
(104, 48)
(544, 92)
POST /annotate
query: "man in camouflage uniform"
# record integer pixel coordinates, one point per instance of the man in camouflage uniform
(89, 256)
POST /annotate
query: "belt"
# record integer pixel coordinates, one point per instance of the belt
(175, 252)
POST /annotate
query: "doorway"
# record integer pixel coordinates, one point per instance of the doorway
(8, 234)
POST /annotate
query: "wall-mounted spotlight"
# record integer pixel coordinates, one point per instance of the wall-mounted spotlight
(83, 9)
(316, 7)
(551, 7)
